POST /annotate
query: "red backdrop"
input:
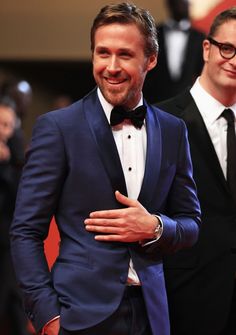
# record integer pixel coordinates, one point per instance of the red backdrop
(51, 243)
(205, 22)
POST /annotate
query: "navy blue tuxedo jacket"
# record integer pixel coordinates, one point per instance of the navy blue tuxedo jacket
(72, 169)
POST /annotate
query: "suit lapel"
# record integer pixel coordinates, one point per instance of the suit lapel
(153, 158)
(199, 134)
(103, 137)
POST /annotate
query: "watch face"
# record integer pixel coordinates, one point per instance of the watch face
(159, 227)
(158, 230)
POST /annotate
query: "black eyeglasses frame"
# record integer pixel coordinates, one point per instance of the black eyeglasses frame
(220, 46)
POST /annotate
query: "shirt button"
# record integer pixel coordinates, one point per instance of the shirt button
(130, 169)
(129, 136)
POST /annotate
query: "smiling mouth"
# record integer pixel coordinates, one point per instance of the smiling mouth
(114, 81)
(231, 72)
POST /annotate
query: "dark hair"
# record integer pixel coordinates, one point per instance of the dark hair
(6, 101)
(228, 14)
(126, 13)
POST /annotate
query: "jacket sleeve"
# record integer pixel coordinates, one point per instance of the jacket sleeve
(37, 198)
(181, 216)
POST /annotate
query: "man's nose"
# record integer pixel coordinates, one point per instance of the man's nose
(113, 65)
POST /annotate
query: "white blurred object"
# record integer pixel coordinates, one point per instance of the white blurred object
(24, 87)
(199, 8)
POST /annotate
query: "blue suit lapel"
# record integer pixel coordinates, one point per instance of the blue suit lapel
(153, 158)
(103, 137)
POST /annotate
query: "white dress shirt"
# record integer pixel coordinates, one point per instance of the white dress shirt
(211, 110)
(176, 39)
(131, 144)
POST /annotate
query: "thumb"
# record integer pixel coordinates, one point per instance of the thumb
(125, 200)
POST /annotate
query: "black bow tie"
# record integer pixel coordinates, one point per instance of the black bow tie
(136, 116)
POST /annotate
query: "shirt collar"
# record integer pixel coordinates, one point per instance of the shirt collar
(210, 108)
(107, 107)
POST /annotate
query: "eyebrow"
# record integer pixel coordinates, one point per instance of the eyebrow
(225, 43)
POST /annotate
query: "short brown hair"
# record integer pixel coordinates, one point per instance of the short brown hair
(226, 15)
(126, 13)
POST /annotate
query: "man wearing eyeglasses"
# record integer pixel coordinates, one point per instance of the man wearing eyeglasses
(201, 281)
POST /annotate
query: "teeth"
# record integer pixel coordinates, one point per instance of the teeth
(114, 82)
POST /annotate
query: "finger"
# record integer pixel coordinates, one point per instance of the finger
(109, 238)
(115, 238)
(125, 200)
(104, 229)
(107, 214)
(117, 213)
(102, 222)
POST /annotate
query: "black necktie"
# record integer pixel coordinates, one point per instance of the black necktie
(136, 116)
(231, 151)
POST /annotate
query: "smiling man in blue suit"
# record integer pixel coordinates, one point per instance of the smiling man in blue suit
(116, 174)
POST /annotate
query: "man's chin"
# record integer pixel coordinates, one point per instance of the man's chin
(114, 98)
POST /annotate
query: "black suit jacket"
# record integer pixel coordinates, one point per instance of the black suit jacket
(10, 172)
(200, 281)
(11, 308)
(159, 84)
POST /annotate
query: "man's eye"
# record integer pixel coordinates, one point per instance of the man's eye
(102, 52)
(125, 55)
(227, 48)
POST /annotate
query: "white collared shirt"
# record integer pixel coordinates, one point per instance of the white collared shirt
(176, 42)
(131, 144)
(211, 110)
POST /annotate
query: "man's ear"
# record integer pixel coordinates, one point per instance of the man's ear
(152, 62)
(206, 47)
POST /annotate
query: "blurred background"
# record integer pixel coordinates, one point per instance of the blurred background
(46, 43)
(45, 63)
